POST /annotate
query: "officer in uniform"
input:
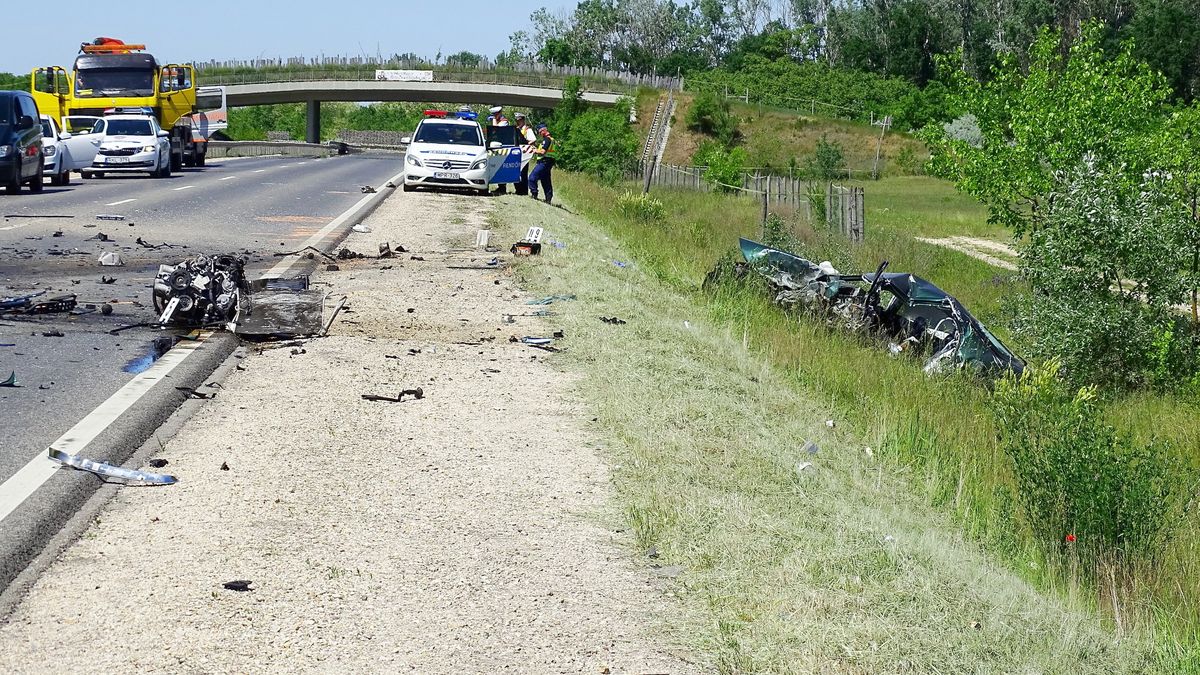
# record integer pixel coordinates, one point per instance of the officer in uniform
(546, 153)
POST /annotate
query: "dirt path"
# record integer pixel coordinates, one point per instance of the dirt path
(993, 253)
(462, 532)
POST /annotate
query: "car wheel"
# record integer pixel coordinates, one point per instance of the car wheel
(408, 188)
(189, 161)
(166, 170)
(176, 163)
(64, 178)
(38, 181)
(200, 159)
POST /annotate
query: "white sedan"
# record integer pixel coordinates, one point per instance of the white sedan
(64, 152)
(132, 144)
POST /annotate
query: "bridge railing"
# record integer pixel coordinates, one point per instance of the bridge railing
(597, 86)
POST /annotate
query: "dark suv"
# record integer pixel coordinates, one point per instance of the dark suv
(20, 142)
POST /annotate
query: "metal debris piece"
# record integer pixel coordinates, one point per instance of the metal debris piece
(55, 305)
(367, 190)
(100, 236)
(109, 216)
(385, 250)
(347, 254)
(146, 244)
(157, 463)
(341, 305)
(417, 393)
(192, 393)
(550, 299)
(199, 291)
(19, 301)
(306, 248)
(111, 259)
(238, 585)
(363, 229)
(107, 280)
(108, 470)
(52, 333)
(895, 305)
(225, 466)
(11, 381)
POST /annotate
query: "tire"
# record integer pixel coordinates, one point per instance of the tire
(64, 178)
(200, 159)
(407, 188)
(166, 170)
(189, 161)
(176, 163)
(38, 183)
(13, 187)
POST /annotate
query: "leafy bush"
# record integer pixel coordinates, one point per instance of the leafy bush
(710, 115)
(599, 142)
(642, 208)
(1080, 483)
(725, 166)
(829, 160)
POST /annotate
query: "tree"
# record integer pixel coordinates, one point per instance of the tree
(1040, 124)
(465, 59)
(710, 115)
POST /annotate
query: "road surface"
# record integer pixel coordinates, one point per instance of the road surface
(51, 241)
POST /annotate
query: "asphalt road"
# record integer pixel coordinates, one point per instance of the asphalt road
(52, 241)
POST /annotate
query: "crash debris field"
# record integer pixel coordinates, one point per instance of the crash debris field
(313, 529)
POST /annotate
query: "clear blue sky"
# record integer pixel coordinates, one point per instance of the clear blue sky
(222, 29)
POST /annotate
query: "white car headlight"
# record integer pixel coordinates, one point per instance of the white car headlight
(149, 148)
(479, 164)
(413, 161)
(49, 150)
(5, 150)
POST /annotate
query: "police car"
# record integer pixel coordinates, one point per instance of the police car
(448, 149)
(133, 143)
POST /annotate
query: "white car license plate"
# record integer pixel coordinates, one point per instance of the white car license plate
(118, 160)
(445, 174)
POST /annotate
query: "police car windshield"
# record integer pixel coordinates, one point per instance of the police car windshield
(448, 134)
(46, 130)
(129, 128)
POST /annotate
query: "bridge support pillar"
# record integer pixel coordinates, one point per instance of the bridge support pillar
(312, 131)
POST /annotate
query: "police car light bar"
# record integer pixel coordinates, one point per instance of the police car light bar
(460, 114)
(129, 110)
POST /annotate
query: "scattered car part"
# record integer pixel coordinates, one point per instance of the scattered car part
(238, 585)
(111, 259)
(199, 291)
(55, 305)
(108, 216)
(899, 305)
(550, 299)
(11, 381)
(417, 393)
(108, 470)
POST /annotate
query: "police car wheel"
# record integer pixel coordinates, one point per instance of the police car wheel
(36, 184)
(408, 188)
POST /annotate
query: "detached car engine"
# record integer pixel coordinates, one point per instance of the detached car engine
(199, 291)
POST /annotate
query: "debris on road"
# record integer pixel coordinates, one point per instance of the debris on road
(312, 249)
(108, 470)
(417, 393)
(225, 466)
(53, 333)
(10, 381)
(111, 259)
(359, 227)
(100, 236)
(109, 216)
(157, 463)
(107, 280)
(55, 305)
(897, 305)
(385, 250)
(613, 320)
(347, 254)
(146, 244)
(238, 585)
(336, 310)
(550, 299)
(192, 393)
(199, 291)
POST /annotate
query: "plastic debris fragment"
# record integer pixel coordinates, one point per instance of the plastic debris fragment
(108, 470)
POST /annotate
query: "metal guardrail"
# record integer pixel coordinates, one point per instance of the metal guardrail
(483, 77)
(221, 149)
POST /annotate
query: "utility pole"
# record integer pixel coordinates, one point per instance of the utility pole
(883, 125)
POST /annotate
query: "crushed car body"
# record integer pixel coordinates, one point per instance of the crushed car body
(914, 314)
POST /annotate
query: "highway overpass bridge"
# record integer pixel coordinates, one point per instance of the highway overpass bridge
(313, 92)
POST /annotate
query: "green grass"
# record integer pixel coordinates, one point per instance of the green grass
(936, 432)
(703, 405)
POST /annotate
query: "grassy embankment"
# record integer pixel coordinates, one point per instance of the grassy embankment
(774, 137)
(934, 435)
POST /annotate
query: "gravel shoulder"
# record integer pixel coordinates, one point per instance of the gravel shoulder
(461, 532)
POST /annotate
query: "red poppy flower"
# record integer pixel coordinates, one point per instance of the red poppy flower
(1070, 539)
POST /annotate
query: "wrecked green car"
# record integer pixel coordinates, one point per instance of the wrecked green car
(915, 315)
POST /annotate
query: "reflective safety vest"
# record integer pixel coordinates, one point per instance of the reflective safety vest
(551, 147)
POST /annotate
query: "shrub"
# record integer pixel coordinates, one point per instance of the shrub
(724, 166)
(599, 142)
(710, 115)
(829, 160)
(642, 208)
(1080, 484)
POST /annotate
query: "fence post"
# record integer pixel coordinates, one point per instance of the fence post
(647, 176)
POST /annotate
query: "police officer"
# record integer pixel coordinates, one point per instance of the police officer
(497, 118)
(546, 153)
(525, 133)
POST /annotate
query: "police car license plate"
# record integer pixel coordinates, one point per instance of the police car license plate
(445, 174)
(118, 160)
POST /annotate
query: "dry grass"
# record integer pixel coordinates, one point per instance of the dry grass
(841, 566)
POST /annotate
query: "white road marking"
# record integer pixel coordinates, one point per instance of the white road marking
(229, 177)
(22, 484)
(123, 201)
(18, 226)
(185, 187)
(259, 170)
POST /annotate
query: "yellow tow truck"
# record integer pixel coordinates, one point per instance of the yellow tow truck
(112, 76)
